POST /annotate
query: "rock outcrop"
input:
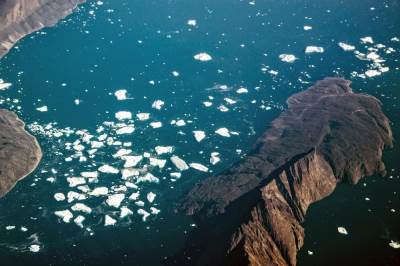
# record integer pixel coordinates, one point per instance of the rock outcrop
(19, 18)
(252, 214)
(20, 152)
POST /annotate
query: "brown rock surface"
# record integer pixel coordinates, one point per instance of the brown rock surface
(19, 18)
(19, 151)
(256, 209)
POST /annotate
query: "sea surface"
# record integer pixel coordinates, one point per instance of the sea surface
(64, 83)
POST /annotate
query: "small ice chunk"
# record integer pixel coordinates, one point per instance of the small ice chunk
(134, 196)
(122, 152)
(34, 248)
(10, 227)
(157, 162)
(93, 174)
(288, 58)
(158, 104)
(214, 158)
(179, 163)
(367, 39)
(180, 123)
(229, 100)
(192, 22)
(154, 211)
(121, 95)
(42, 109)
(143, 116)
(72, 195)
(346, 47)
(76, 181)
(115, 200)
(175, 73)
(99, 191)
(342, 230)
(199, 167)
(372, 73)
(108, 220)
(65, 215)
(125, 211)
(80, 207)
(123, 115)
(144, 214)
(151, 197)
(163, 149)
(224, 132)
(125, 130)
(314, 49)
(307, 27)
(156, 124)
(242, 90)
(108, 169)
(204, 57)
(148, 178)
(394, 244)
(199, 135)
(59, 197)
(207, 104)
(129, 172)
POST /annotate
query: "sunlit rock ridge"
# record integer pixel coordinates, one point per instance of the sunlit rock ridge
(19, 18)
(255, 210)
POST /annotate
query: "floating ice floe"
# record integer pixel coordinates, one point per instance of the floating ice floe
(157, 162)
(180, 123)
(42, 109)
(394, 244)
(372, 73)
(175, 73)
(342, 230)
(154, 211)
(346, 47)
(10, 227)
(59, 197)
(34, 248)
(199, 167)
(192, 22)
(151, 197)
(122, 152)
(4, 85)
(80, 207)
(72, 196)
(288, 58)
(125, 211)
(158, 104)
(242, 90)
(224, 132)
(148, 178)
(76, 181)
(223, 108)
(121, 95)
(314, 49)
(134, 196)
(99, 191)
(367, 39)
(215, 158)
(204, 57)
(108, 220)
(199, 135)
(132, 161)
(144, 214)
(306, 27)
(115, 200)
(93, 174)
(229, 100)
(156, 124)
(143, 116)
(129, 172)
(163, 149)
(79, 220)
(179, 163)
(123, 115)
(65, 215)
(108, 169)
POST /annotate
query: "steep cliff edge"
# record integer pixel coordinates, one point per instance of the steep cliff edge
(327, 135)
(19, 151)
(19, 18)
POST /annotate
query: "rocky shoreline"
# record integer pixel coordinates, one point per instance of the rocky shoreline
(252, 214)
(20, 152)
(19, 18)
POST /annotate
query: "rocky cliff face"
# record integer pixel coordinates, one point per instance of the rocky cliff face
(19, 18)
(19, 151)
(327, 135)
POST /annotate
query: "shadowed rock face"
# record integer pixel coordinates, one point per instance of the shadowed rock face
(19, 18)
(252, 213)
(19, 151)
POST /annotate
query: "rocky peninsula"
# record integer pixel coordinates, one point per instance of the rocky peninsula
(252, 214)
(20, 152)
(19, 18)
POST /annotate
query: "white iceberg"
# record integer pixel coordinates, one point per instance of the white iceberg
(65, 215)
(179, 163)
(314, 49)
(123, 115)
(42, 109)
(99, 191)
(342, 230)
(144, 214)
(125, 130)
(143, 116)
(346, 47)
(132, 161)
(80, 207)
(158, 104)
(120, 95)
(108, 169)
(199, 135)
(163, 149)
(224, 132)
(59, 197)
(199, 167)
(151, 197)
(288, 58)
(76, 181)
(115, 200)
(204, 57)
(125, 211)
(108, 220)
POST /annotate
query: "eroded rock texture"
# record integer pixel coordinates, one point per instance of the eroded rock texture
(19, 18)
(19, 151)
(252, 214)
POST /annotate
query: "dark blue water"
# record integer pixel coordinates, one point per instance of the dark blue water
(136, 46)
